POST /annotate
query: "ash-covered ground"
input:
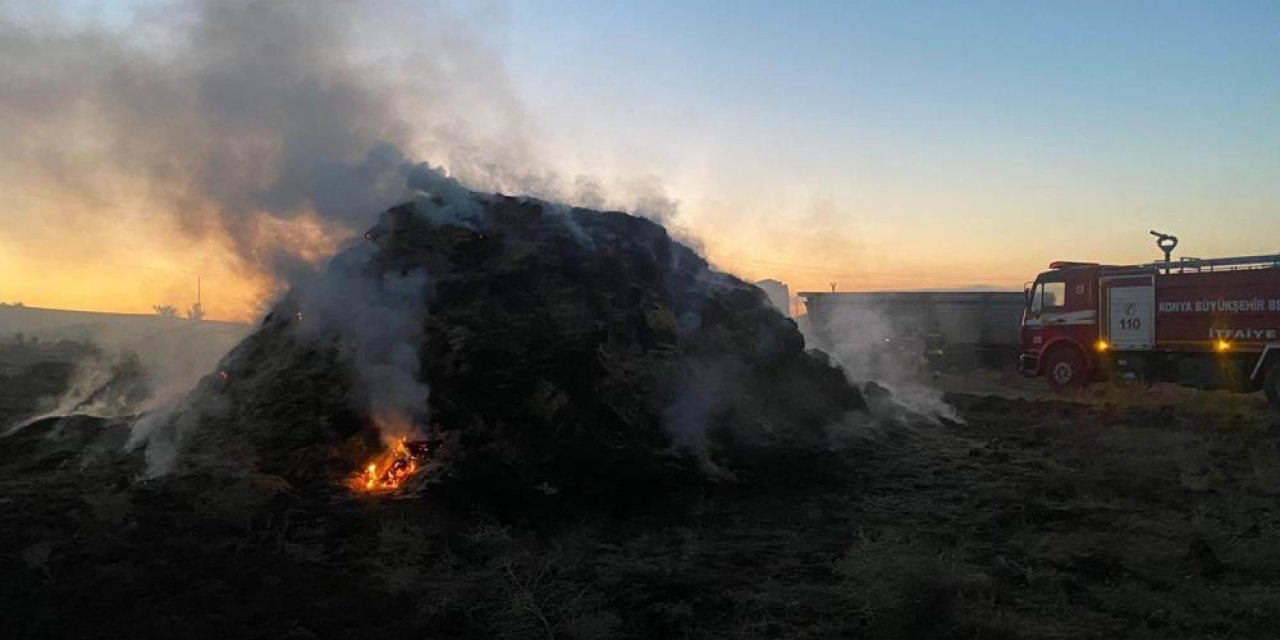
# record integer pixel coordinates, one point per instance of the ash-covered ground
(627, 445)
(1033, 519)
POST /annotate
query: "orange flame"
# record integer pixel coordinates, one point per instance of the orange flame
(388, 471)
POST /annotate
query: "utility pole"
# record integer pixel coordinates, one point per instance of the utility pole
(196, 313)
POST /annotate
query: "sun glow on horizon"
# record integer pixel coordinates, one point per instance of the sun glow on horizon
(119, 263)
(108, 260)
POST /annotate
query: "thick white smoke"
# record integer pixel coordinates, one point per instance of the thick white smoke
(378, 321)
(122, 383)
(870, 348)
(136, 364)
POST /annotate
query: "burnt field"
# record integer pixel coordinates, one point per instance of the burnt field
(1032, 519)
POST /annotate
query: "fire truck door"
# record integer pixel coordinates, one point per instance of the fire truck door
(1131, 317)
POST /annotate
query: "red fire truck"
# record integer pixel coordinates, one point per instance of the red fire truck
(1208, 323)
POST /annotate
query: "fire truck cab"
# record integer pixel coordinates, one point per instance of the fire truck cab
(1211, 324)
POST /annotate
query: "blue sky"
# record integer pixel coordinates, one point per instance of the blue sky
(1037, 121)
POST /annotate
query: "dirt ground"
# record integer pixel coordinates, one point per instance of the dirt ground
(1121, 513)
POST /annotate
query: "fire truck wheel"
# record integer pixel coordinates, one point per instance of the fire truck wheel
(1272, 384)
(1065, 369)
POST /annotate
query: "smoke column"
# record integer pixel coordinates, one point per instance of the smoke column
(862, 342)
(276, 126)
(278, 129)
(235, 115)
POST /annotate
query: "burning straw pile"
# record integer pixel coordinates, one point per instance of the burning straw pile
(566, 352)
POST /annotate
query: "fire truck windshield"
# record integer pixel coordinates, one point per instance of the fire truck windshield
(1046, 295)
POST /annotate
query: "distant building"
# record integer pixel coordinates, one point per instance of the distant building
(779, 295)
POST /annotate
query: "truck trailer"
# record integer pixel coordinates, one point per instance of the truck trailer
(967, 329)
(1206, 323)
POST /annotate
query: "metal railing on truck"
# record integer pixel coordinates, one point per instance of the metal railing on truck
(1201, 265)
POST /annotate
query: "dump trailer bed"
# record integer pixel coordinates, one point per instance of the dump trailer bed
(979, 328)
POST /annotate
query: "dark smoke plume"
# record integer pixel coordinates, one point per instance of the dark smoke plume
(234, 115)
(231, 112)
(281, 128)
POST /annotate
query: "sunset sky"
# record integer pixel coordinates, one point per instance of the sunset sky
(873, 145)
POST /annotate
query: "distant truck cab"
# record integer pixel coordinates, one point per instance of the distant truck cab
(1207, 323)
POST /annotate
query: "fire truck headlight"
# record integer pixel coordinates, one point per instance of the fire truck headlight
(1222, 346)
(1101, 345)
